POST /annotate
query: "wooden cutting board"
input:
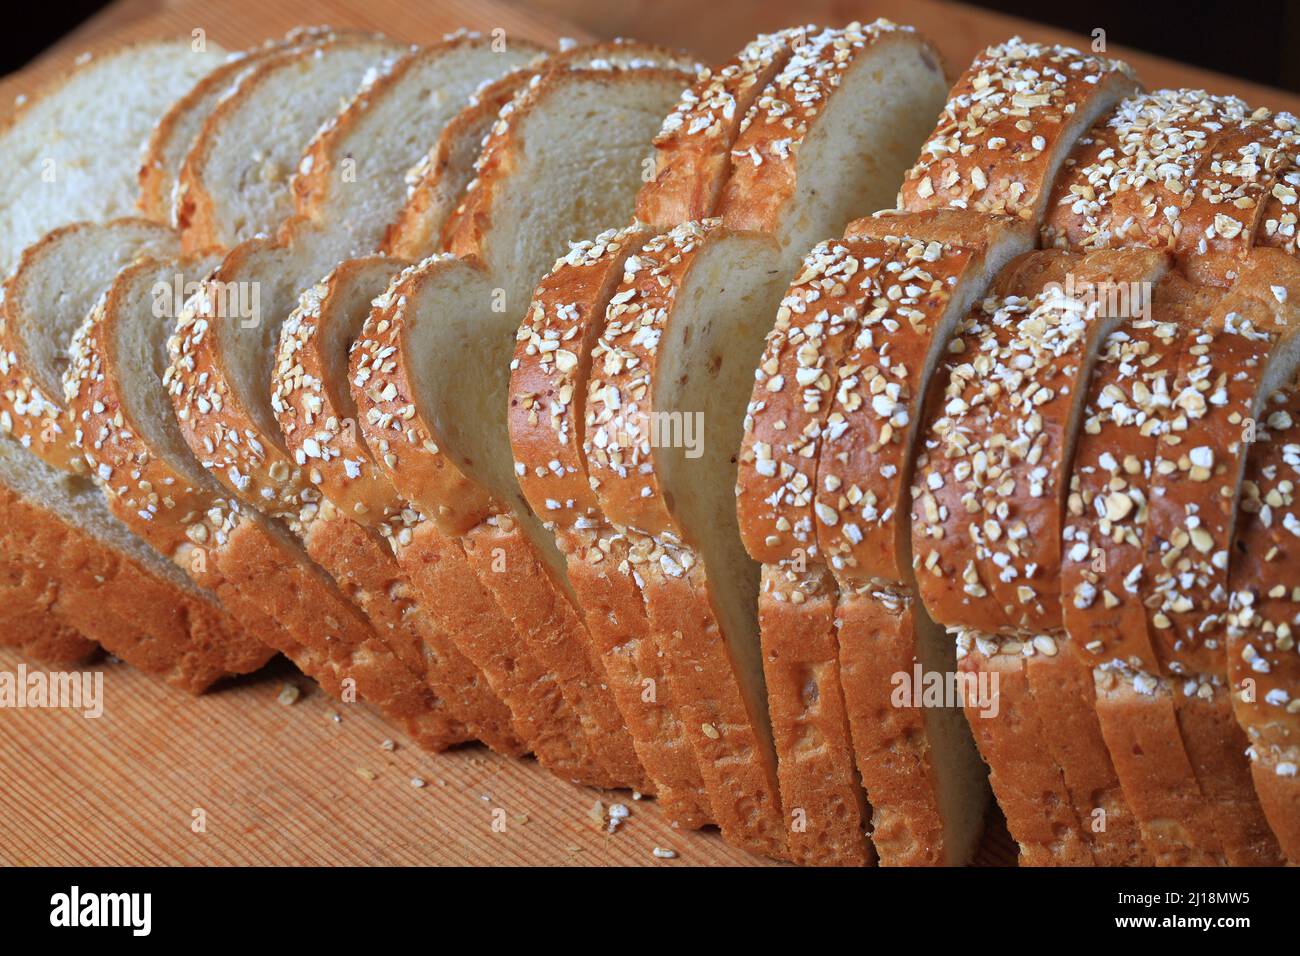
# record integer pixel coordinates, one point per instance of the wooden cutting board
(313, 781)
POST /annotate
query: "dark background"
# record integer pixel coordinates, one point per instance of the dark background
(1257, 40)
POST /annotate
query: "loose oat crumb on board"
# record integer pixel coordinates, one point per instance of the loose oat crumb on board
(417, 783)
(289, 694)
(365, 774)
(388, 745)
(664, 853)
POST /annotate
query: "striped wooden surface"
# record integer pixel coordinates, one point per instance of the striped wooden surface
(309, 782)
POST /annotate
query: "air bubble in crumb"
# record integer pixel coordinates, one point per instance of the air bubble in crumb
(289, 694)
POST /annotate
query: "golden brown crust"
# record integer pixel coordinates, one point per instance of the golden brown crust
(1010, 119)
(544, 617)
(820, 790)
(1191, 521)
(1181, 170)
(1129, 396)
(1139, 722)
(693, 149)
(29, 617)
(876, 633)
(150, 623)
(987, 514)
(1030, 789)
(366, 572)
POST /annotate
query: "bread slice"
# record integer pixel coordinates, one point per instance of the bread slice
(1262, 668)
(548, 390)
(1129, 398)
(234, 181)
(826, 139)
(1008, 127)
(317, 416)
(818, 490)
(693, 148)
(46, 299)
(174, 134)
(69, 158)
(989, 495)
(1246, 350)
(152, 482)
(1181, 170)
(351, 174)
(678, 511)
(444, 311)
(437, 184)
